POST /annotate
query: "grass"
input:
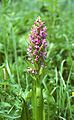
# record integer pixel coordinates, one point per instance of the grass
(17, 92)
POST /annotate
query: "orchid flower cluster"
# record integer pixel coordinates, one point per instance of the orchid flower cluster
(37, 44)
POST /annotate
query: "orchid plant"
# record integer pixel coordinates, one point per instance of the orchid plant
(37, 55)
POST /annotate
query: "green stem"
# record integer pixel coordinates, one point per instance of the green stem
(37, 101)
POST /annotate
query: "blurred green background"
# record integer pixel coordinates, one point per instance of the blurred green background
(16, 20)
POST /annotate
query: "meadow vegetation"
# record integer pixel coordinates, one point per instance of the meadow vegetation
(21, 97)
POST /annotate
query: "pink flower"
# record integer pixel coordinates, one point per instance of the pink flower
(43, 41)
(35, 52)
(37, 44)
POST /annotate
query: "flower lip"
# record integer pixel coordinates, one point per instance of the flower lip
(36, 46)
(35, 52)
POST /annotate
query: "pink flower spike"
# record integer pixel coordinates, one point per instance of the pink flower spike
(37, 42)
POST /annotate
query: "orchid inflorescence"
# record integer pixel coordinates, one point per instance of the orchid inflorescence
(37, 42)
